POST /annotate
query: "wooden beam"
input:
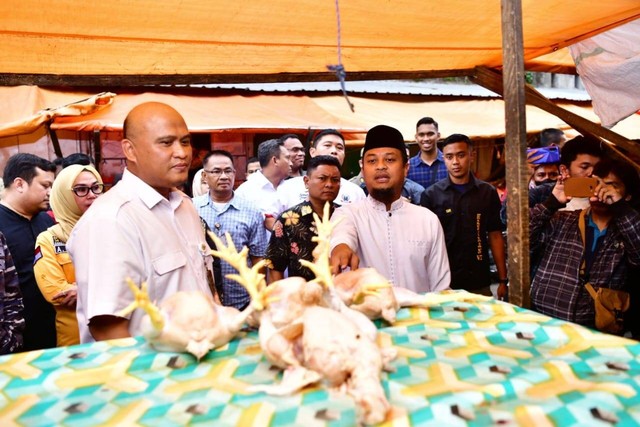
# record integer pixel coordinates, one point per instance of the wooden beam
(516, 153)
(103, 80)
(582, 125)
(492, 80)
(54, 140)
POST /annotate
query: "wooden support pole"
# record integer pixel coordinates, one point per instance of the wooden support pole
(516, 153)
(54, 140)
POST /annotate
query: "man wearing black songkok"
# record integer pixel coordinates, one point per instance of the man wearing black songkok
(404, 242)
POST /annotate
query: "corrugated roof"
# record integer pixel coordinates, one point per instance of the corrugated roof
(393, 87)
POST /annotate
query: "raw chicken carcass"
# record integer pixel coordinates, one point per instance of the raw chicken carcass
(328, 343)
(186, 321)
(307, 330)
(368, 292)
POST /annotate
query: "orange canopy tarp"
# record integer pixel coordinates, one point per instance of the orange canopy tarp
(261, 113)
(482, 118)
(258, 37)
(26, 108)
(477, 118)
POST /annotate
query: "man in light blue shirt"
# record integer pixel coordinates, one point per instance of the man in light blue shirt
(225, 213)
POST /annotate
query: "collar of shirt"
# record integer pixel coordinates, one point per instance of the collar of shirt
(205, 200)
(417, 159)
(263, 181)
(149, 196)
(473, 181)
(597, 233)
(379, 206)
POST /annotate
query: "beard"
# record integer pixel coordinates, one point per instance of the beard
(384, 195)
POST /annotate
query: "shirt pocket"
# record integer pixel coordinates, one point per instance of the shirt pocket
(67, 266)
(168, 262)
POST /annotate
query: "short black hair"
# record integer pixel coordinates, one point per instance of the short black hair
(23, 165)
(77, 159)
(457, 137)
(624, 171)
(324, 133)
(550, 136)
(283, 138)
(316, 161)
(269, 149)
(224, 153)
(580, 145)
(426, 121)
(252, 160)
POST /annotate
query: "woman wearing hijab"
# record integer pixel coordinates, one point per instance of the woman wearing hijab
(199, 185)
(75, 189)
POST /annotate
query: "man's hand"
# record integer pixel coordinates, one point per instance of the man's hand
(342, 256)
(558, 190)
(109, 327)
(67, 297)
(607, 194)
(503, 292)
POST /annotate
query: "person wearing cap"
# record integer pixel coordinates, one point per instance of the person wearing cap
(411, 190)
(404, 242)
(469, 211)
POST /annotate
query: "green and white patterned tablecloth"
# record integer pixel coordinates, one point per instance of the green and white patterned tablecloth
(461, 362)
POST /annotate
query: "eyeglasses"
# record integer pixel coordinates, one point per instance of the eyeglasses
(83, 190)
(218, 172)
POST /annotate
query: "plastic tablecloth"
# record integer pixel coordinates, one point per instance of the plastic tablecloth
(464, 360)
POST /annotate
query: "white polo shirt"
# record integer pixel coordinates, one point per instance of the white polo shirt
(133, 231)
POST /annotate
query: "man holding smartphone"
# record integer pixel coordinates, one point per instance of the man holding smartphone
(578, 156)
(601, 256)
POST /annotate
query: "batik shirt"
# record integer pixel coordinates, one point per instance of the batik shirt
(291, 241)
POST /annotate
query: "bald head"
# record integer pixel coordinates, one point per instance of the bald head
(157, 145)
(138, 117)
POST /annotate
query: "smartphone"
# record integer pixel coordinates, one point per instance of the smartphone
(580, 187)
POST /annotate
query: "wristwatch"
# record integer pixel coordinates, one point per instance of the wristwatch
(503, 281)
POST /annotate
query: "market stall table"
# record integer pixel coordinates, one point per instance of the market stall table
(463, 361)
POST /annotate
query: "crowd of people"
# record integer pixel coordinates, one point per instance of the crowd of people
(426, 223)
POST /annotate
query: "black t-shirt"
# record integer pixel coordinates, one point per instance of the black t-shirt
(21, 234)
(467, 213)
